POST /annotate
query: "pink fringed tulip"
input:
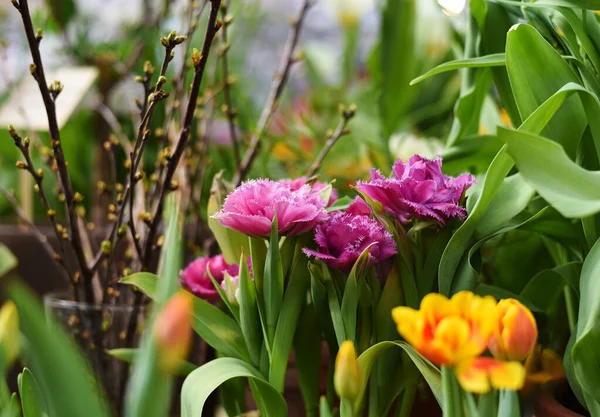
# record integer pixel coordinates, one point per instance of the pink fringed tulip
(317, 187)
(195, 277)
(344, 237)
(251, 208)
(419, 190)
(359, 207)
(517, 332)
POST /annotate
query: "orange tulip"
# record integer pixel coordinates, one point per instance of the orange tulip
(480, 374)
(173, 332)
(447, 331)
(516, 334)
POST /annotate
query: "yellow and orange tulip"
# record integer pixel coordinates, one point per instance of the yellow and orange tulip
(516, 332)
(448, 331)
(479, 375)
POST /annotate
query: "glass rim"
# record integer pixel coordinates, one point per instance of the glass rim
(59, 298)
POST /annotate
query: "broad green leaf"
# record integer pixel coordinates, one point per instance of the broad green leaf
(528, 56)
(8, 261)
(500, 167)
(452, 402)
(129, 355)
(218, 330)
(350, 298)
(249, 317)
(512, 197)
(149, 388)
(334, 304)
(204, 380)
(572, 190)
(492, 60)
(585, 354)
(580, 28)
(498, 20)
(475, 86)
(570, 371)
(294, 299)
(64, 376)
(367, 359)
(308, 351)
(397, 60)
(32, 400)
(273, 285)
(258, 252)
(144, 281)
(577, 4)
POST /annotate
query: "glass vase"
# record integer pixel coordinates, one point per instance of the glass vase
(97, 329)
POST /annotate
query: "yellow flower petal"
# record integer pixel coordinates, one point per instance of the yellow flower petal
(510, 376)
(477, 375)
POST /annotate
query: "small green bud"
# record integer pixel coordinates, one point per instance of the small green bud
(106, 247)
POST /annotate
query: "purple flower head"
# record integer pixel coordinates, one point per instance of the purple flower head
(251, 207)
(358, 206)
(344, 237)
(317, 187)
(196, 280)
(419, 190)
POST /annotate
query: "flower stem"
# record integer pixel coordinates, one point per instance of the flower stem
(451, 404)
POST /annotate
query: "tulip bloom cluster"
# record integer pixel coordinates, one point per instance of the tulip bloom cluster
(418, 190)
(458, 331)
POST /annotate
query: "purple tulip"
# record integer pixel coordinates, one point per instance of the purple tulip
(196, 280)
(317, 187)
(359, 207)
(419, 190)
(344, 237)
(251, 208)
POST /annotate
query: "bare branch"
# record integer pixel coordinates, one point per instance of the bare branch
(37, 70)
(333, 137)
(277, 87)
(199, 59)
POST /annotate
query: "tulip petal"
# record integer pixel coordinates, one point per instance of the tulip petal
(480, 374)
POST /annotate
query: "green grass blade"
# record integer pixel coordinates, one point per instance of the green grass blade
(486, 61)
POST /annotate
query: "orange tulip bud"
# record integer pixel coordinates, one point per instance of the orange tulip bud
(480, 374)
(517, 332)
(448, 331)
(346, 378)
(173, 331)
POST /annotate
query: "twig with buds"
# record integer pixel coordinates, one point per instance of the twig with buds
(49, 95)
(333, 137)
(199, 60)
(39, 235)
(277, 87)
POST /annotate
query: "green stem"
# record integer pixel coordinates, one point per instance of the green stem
(451, 405)
(350, 50)
(346, 408)
(571, 306)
